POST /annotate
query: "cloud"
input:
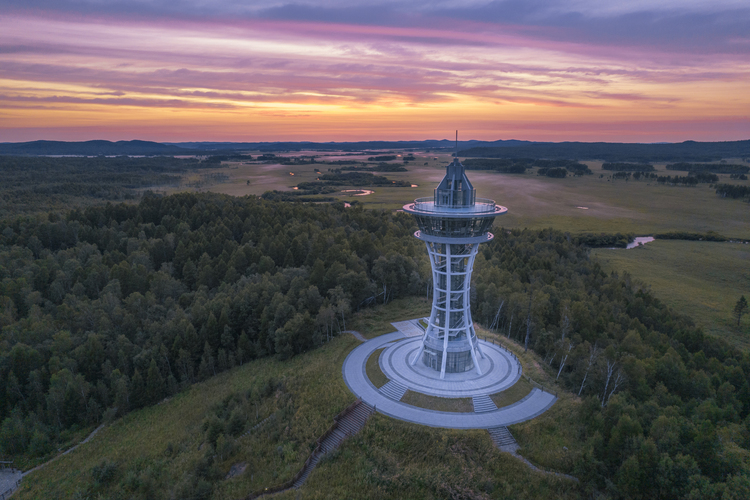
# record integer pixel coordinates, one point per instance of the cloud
(366, 62)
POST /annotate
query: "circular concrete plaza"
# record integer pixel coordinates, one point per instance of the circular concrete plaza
(500, 370)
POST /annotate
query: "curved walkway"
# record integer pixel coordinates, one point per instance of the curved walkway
(500, 370)
(355, 377)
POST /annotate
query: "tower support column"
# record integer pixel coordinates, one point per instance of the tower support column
(448, 308)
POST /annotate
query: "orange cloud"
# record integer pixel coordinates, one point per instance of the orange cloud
(256, 80)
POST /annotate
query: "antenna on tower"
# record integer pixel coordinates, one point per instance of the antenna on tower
(456, 143)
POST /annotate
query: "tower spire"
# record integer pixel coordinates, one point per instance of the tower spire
(456, 143)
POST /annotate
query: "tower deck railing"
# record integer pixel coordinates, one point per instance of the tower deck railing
(481, 205)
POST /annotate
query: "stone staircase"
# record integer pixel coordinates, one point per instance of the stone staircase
(393, 390)
(503, 439)
(257, 426)
(483, 403)
(348, 425)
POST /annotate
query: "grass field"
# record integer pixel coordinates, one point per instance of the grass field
(458, 405)
(610, 205)
(374, 373)
(156, 453)
(512, 394)
(700, 279)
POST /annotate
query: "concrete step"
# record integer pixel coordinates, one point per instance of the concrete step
(483, 403)
(502, 438)
(393, 390)
(348, 425)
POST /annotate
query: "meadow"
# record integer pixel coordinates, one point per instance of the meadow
(590, 203)
(700, 279)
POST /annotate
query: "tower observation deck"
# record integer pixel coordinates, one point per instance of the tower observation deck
(452, 224)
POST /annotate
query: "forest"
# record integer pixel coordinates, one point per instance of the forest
(109, 309)
(665, 407)
(113, 308)
(519, 166)
(688, 151)
(733, 191)
(716, 168)
(33, 184)
(628, 167)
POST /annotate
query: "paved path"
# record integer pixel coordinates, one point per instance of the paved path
(356, 335)
(9, 479)
(355, 377)
(410, 328)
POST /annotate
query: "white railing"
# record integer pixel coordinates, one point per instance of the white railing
(481, 206)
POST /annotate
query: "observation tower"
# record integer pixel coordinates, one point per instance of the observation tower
(452, 224)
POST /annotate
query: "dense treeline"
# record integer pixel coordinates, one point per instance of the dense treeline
(301, 196)
(113, 308)
(32, 184)
(628, 167)
(732, 191)
(690, 180)
(665, 407)
(688, 151)
(717, 168)
(519, 165)
(684, 235)
(380, 167)
(604, 240)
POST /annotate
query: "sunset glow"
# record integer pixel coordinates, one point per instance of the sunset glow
(337, 71)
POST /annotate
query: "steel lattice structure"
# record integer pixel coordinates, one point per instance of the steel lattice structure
(452, 224)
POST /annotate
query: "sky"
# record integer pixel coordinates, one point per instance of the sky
(345, 70)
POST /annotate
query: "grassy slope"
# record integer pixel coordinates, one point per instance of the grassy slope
(700, 279)
(390, 459)
(137, 443)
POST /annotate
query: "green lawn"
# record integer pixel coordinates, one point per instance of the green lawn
(512, 394)
(458, 405)
(700, 279)
(372, 368)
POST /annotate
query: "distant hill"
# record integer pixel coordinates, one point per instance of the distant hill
(607, 151)
(347, 146)
(610, 151)
(92, 148)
